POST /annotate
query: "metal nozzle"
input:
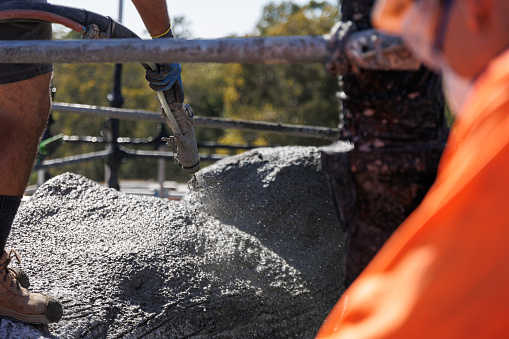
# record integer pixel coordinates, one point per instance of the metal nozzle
(184, 143)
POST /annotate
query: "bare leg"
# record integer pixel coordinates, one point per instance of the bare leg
(24, 110)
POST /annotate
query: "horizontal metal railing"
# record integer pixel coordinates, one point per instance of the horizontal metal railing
(206, 122)
(141, 115)
(287, 49)
(102, 155)
(144, 141)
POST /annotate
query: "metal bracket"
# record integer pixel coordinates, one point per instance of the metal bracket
(170, 142)
(372, 49)
(369, 49)
(338, 62)
(93, 31)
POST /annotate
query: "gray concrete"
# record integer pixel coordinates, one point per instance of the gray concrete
(254, 250)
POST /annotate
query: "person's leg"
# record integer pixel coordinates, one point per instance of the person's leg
(24, 108)
(24, 105)
(24, 111)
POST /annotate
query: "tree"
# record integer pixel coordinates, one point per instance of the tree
(295, 93)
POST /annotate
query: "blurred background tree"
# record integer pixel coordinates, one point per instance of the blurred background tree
(294, 93)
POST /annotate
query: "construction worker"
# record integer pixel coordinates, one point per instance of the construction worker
(445, 272)
(24, 109)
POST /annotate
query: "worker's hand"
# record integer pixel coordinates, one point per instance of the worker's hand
(164, 77)
(167, 77)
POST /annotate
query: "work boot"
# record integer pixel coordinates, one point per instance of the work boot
(18, 303)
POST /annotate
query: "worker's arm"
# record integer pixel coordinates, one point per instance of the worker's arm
(154, 14)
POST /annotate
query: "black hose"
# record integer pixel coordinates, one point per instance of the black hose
(81, 16)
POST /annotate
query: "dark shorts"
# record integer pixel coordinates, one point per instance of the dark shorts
(24, 31)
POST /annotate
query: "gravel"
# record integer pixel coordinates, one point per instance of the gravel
(254, 250)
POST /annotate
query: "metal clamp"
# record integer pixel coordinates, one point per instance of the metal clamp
(93, 31)
(170, 142)
(352, 50)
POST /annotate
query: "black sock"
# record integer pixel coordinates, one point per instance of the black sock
(8, 209)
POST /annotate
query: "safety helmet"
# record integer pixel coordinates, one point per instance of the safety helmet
(387, 15)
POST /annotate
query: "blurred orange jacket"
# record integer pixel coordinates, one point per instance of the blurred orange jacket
(445, 272)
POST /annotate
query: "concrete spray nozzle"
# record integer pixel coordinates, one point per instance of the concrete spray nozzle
(184, 142)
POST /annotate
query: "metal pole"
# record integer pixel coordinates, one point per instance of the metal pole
(120, 11)
(41, 177)
(368, 49)
(208, 122)
(112, 163)
(111, 132)
(112, 126)
(283, 49)
(74, 159)
(161, 172)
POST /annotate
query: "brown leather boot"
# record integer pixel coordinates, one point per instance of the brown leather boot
(18, 303)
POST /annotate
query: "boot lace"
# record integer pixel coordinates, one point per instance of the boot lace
(7, 272)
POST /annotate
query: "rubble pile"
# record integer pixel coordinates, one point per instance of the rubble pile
(255, 249)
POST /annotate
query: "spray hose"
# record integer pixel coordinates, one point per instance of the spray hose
(93, 26)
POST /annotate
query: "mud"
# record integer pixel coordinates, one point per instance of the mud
(255, 250)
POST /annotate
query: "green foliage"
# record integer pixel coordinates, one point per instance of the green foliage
(288, 18)
(297, 93)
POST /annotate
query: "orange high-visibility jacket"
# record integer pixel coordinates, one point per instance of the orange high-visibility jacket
(445, 272)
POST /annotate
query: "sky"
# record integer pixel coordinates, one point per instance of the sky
(208, 19)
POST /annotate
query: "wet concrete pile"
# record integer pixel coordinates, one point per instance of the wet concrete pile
(255, 250)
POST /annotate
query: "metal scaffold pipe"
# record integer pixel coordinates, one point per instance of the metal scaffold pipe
(287, 49)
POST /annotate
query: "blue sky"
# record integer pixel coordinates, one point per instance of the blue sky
(207, 18)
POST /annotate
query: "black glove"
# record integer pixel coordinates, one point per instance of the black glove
(166, 78)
